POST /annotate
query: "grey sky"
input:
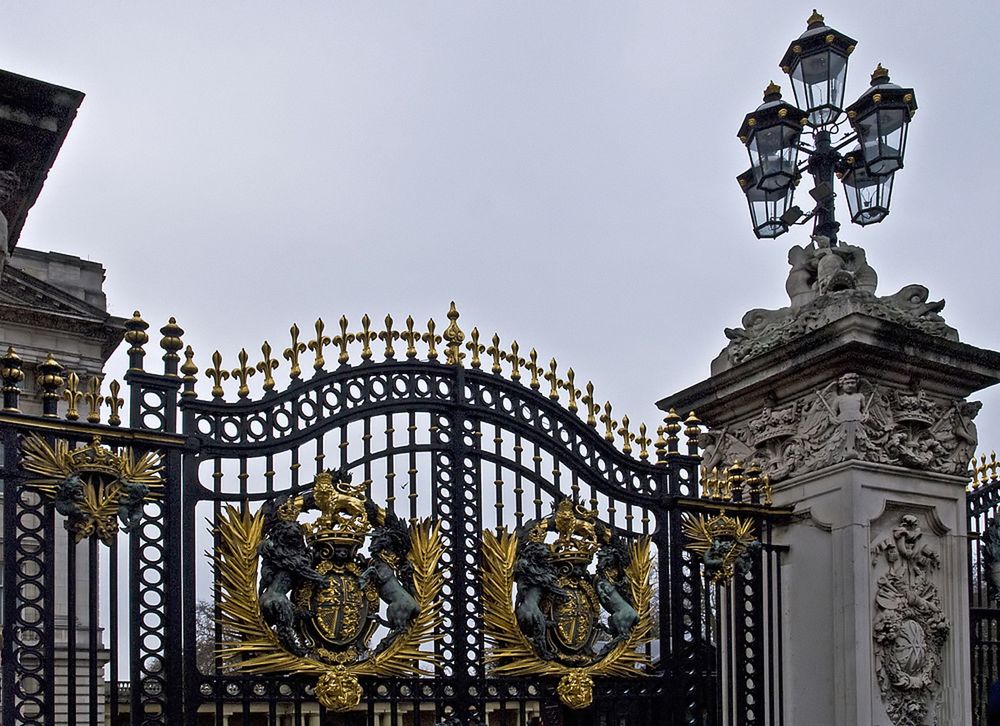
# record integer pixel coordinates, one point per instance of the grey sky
(565, 171)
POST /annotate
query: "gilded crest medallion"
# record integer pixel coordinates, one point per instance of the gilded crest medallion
(725, 544)
(571, 617)
(94, 487)
(301, 596)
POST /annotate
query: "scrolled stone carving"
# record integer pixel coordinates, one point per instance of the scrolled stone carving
(827, 282)
(850, 418)
(909, 626)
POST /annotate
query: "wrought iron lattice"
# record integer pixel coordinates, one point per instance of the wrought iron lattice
(983, 502)
(474, 437)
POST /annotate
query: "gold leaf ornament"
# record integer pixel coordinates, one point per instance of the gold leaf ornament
(513, 654)
(250, 646)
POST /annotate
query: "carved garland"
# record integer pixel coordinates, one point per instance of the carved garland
(909, 627)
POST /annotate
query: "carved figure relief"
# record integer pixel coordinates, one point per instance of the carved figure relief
(554, 626)
(826, 282)
(850, 418)
(94, 487)
(909, 627)
(300, 597)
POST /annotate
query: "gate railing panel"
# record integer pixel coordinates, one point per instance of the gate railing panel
(480, 441)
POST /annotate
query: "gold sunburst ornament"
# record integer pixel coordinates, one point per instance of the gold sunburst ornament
(552, 628)
(93, 487)
(725, 544)
(300, 598)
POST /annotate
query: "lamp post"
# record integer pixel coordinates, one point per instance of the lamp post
(776, 132)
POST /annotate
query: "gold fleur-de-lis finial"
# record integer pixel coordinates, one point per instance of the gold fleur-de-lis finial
(454, 336)
(218, 374)
(293, 352)
(643, 441)
(267, 366)
(627, 436)
(592, 406)
(94, 399)
(554, 381)
(431, 339)
(571, 389)
(609, 423)
(515, 361)
(73, 396)
(475, 348)
(343, 340)
(496, 352)
(767, 492)
(533, 368)
(243, 373)
(387, 336)
(411, 337)
(317, 344)
(366, 336)
(115, 403)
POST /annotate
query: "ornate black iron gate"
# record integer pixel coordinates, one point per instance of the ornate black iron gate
(240, 590)
(983, 501)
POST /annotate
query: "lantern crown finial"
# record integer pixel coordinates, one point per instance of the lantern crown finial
(815, 20)
(880, 75)
(772, 92)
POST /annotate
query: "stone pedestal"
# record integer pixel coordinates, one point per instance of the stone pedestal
(863, 426)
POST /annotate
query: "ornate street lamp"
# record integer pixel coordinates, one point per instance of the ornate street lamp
(777, 131)
(867, 194)
(767, 208)
(880, 118)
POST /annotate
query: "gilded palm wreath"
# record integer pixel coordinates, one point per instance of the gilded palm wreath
(93, 487)
(553, 625)
(300, 598)
(726, 545)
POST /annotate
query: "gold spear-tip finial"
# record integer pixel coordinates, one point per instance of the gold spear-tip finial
(815, 19)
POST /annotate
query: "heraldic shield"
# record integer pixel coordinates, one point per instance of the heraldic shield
(301, 597)
(567, 620)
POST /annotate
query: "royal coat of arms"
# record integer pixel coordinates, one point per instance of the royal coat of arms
(93, 487)
(300, 596)
(570, 617)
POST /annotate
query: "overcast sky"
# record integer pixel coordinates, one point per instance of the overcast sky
(565, 171)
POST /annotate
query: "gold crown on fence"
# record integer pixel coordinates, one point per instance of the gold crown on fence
(577, 529)
(343, 516)
(94, 459)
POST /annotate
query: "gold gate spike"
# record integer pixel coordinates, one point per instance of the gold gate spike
(411, 337)
(387, 336)
(366, 336)
(293, 352)
(243, 373)
(454, 335)
(627, 436)
(432, 340)
(515, 361)
(73, 396)
(267, 366)
(592, 405)
(94, 399)
(218, 374)
(189, 370)
(532, 366)
(555, 383)
(609, 423)
(475, 348)
(115, 403)
(318, 343)
(497, 354)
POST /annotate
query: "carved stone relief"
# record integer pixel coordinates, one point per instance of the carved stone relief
(850, 418)
(909, 627)
(827, 282)
(9, 182)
